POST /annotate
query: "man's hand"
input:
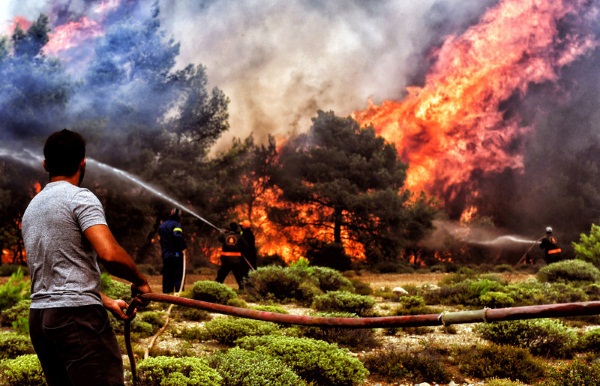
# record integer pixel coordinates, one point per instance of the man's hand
(140, 289)
(117, 307)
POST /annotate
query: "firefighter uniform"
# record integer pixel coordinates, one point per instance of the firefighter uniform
(551, 248)
(231, 255)
(172, 245)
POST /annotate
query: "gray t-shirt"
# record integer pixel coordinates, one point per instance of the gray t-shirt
(62, 263)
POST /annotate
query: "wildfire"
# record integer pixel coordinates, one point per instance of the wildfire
(454, 124)
(70, 35)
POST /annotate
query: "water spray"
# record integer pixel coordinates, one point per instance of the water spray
(30, 159)
(149, 188)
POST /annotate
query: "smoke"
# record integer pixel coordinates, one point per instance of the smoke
(281, 61)
(278, 62)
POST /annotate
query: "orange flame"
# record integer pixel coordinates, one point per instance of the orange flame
(454, 125)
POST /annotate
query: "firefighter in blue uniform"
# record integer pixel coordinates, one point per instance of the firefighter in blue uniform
(173, 246)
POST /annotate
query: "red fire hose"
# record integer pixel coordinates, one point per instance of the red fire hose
(485, 315)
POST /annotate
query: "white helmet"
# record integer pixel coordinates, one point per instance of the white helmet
(548, 229)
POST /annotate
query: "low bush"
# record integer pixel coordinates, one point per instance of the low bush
(576, 373)
(13, 345)
(315, 361)
(281, 284)
(239, 367)
(569, 271)
(590, 341)
(352, 338)
(228, 329)
(545, 337)
(361, 287)
(564, 293)
(342, 301)
(416, 366)
(413, 305)
(212, 292)
(170, 371)
(14, 290)
(193, 314)
(328, 279)
(499, 361)
(114, 288)
(495, 299)
(502, 382)
(24, 370)
(14, 313)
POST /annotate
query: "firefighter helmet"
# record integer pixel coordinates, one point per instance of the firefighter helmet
(548, 229)
(175, 213)
(245, 224)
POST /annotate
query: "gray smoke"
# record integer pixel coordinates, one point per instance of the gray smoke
(281, 61)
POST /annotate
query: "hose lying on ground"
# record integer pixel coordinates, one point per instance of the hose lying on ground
(485, 315)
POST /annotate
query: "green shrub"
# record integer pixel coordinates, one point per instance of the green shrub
(590, 341)
(14, 313)
(494, 299)
(499, 361)
(169, 371)
(282, 284)
(13, 345)
(212, 292)
(156, 318)
(546, 337)
(413, 305)
(228, 329)
(361, 287)
(576, 373)
(569, 271)
(114, 288)
(328, 279)
(193, 314)
(352, 338)
(24, 370)
(11, 269)
(271, 308)
(416, 366)
(343, 301)
(527, 293)
(313, 360)
(588, 248)
(502, 382)
(240, 367)
(14, 290)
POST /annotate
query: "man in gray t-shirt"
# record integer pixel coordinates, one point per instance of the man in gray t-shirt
(65, 233)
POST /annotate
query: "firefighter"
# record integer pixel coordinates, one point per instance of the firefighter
(173, 246)
(249, 247)
(549, 244)
(231, 255)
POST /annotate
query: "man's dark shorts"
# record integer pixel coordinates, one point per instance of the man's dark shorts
(76, 346)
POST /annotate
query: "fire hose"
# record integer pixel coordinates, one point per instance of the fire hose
(485, 315)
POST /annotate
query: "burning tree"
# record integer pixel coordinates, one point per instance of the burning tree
(343, 186)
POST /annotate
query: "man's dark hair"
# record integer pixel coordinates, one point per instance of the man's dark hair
(63, 152)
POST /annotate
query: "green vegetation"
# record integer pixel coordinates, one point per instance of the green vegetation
(169, 371)
(213, 292)
(313, 360)
(250, 368)
(24, 370)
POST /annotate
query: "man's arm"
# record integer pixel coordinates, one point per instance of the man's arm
(114, 257)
